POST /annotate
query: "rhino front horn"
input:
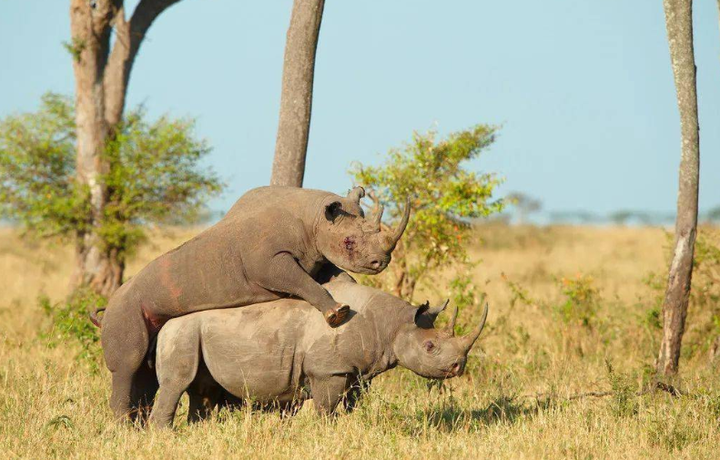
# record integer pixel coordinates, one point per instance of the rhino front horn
(393, 239)
(469, 340)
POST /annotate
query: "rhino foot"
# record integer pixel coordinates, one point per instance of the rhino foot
(337, 315)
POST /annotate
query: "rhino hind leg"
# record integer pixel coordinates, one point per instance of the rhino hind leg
(177, 361)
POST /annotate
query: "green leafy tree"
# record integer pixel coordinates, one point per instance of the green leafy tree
(444, 197)
(154, 176)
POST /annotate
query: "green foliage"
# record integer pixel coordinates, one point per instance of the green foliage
(154, 175)
(444, 196)
(75, 48)
(581, 300)
(37, 185)
(70, 321)
(165, 186)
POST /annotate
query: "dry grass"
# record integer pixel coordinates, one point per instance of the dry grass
(52, 406)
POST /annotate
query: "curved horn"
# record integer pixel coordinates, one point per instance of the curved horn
(377, 217)
(356, 193)
(395, 237)
(469, 340)
(453, 317)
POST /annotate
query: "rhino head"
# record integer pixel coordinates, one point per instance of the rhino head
(435, 353)
(353, 242)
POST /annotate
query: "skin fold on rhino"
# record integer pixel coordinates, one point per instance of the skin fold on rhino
(273, 243)
(281, 352)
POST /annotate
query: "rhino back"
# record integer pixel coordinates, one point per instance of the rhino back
(212, 270)
(204, 273)
(259, 351)
(301, 203)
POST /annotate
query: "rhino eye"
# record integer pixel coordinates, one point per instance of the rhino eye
(429, 345)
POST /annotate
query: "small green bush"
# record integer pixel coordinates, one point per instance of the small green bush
(581, 300)
(444, 197)
(70, 322)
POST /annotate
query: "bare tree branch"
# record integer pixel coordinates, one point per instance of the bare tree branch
(130, 35)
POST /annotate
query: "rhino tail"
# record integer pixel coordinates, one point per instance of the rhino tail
(97, 321)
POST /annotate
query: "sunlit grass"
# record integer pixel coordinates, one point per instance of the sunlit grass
(512, 402)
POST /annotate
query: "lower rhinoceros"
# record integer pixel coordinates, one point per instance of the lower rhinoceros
(283, 352)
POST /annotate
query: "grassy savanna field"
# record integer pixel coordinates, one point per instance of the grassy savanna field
(572, 312)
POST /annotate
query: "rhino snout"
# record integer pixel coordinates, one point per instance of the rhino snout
(379, 263)
(456, 370)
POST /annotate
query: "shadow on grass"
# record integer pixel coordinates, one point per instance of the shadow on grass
(503, 409)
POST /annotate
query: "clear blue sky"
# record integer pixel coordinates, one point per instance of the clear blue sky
(583, 88)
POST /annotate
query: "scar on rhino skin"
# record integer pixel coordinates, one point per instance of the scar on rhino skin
(349, 242)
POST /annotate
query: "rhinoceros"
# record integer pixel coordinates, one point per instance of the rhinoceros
(282, 352)
(270, 245)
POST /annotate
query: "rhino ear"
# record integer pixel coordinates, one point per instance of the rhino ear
(333, 211)
(425, 316)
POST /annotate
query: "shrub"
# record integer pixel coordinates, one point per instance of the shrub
(444, 198)
(70, 321)
(581, 300)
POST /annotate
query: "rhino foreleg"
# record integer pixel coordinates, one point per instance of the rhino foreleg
(125, 342)
(328, 392)
(283, 274)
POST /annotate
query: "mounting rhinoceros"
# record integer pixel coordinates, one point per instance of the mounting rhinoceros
(272, 352)
(270, 245)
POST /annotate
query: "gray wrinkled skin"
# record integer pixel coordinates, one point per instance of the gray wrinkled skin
(273, 243)
(275, 352)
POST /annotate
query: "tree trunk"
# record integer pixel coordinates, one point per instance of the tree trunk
(90, 30)
(678, 15)
(296, 97)
(101, 80)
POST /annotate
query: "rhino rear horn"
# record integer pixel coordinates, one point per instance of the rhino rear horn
(355, 194)
(377, 218)
(453, 317)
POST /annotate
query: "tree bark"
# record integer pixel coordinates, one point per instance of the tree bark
(296, 97)
(101, 79)
(678, 15)
(90, 30)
